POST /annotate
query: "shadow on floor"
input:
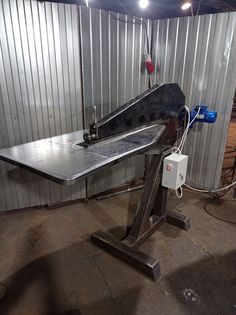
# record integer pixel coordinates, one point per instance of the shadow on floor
(208, 286)
(62, 284)
(118, 227)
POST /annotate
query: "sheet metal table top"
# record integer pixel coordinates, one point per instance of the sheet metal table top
(63, 160)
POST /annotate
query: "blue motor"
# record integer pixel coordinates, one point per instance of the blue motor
(203, 115)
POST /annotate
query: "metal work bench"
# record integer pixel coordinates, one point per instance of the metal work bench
(150, 123)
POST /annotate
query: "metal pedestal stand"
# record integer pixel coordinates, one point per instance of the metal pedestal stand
(150, 213)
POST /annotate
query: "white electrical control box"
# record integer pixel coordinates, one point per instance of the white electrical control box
(174, 170)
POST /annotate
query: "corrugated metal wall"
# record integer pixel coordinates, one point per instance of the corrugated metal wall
(57, 61)
(113, 51)
(51, 54)
(199, 54)
(40, 91)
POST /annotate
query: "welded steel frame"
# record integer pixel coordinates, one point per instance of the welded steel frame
(151, 212)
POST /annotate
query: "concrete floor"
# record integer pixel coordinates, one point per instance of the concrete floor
(51, 267)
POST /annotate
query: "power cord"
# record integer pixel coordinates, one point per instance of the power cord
(181, 192)
(137, 21)
(179, 150)
(211, 191)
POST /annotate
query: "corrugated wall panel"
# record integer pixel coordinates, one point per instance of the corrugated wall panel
(113, 49)
(199, 54)
(40, 92)
(47, 48)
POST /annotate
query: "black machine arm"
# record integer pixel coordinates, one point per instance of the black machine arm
(159, 104)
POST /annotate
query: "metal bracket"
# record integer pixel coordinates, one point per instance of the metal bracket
(150, 213)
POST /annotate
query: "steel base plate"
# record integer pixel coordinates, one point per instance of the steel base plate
(178, 220)
(137, 259)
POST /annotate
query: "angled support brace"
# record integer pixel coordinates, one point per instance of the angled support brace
(150, 213)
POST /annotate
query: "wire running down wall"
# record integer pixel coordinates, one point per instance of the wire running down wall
(199, 54)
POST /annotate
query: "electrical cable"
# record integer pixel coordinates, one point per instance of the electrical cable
(182, 142)
(176, 150)
(180, 148)
(137, 21)
(192, 10)
(213, 190)
(185, 131)
(214, 216)
(199, 6)
(122, 5)
(184, 136)
(140, 22)
(183, 139)
(181, 192)
(190, 123)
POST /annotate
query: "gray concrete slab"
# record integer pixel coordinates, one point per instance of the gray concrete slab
(50, 266)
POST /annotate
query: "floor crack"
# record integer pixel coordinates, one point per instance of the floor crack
(205, 250)
(105, 281)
